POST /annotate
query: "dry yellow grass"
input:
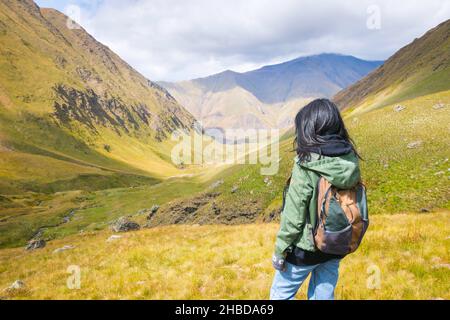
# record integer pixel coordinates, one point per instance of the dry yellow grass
(216, 262)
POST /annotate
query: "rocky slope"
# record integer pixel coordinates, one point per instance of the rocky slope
(67, 101)
(422, 67)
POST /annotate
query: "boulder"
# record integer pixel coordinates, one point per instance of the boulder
(154, 209)
(35, 244)
(267, 181)
(17, 285)
(65, 248)
(442, 266)
(399, 108)
(234, 189)
(215, 208)
(216, 184)
(113, 237)
(438, 106)
(123, 224)
(414, 144)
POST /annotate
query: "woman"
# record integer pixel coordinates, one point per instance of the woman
(323, 148)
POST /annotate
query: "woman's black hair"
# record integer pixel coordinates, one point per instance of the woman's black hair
(317, 126)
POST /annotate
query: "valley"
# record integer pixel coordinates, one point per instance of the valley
(85, 140)
(268, 97)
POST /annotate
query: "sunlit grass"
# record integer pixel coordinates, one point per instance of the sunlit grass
(411, 252)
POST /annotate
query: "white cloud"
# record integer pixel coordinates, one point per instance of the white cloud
(176, 39)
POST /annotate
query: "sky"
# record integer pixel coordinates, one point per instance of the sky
(175, 40)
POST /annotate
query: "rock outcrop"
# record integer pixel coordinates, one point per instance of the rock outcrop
(123, 224)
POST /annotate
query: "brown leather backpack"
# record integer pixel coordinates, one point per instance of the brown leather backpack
(342, 218)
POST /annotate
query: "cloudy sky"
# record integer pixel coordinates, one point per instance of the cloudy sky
(184, 39)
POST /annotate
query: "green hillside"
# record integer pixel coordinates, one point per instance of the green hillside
(399, 178)
(422, 67)
(73, 115)
(79, 145)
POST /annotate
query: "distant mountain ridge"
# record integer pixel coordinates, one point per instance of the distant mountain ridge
(268, 96)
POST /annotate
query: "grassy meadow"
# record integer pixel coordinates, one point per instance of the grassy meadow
(404, 256)
(408, 240)
(72, 176)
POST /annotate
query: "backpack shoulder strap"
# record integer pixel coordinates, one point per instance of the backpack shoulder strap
(323, 196)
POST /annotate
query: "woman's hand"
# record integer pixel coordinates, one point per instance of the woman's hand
(279, 263)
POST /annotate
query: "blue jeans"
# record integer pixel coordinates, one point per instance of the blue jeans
(323, 280)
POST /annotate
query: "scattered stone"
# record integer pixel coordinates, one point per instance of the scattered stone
(437, 298)
(68, 216)
(18, 287)
(267, 181)
(439, 173)
(113, 237)
(273, 215)
(442, 265)
(215, 208)
(35, 244)
(438, 106)
(406, 254)
(190, 209)
(217, 184)
(154, 208)
(234, 189)
(399, 108)
(123, 224)
(152, 211)
(435, 259)
(414, 144)
(18, 284)
(140, 283)
(60, 61)
(65, 248)
(425, 210)
(141, 212)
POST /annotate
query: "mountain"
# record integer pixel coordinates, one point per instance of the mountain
(73, 114)
(269, 96)
(422, 67)
(404, 150)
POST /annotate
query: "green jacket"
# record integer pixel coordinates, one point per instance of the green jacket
(301, 198)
